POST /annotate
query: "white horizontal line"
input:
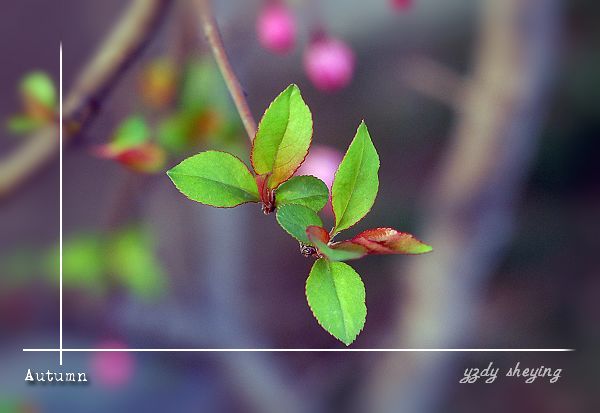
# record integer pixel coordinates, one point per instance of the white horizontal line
(296, 350)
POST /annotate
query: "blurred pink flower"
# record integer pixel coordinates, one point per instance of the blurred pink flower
(276, 28)
(322, 162)
(329, 63)
(401, 5)
(112, 369)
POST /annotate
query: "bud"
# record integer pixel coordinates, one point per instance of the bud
(39, 96)
(157, 83)
(322, 162)
(112, 369)
(401, 5)
(131, 146)
(276, 28)
(329, 63)
(145, 158)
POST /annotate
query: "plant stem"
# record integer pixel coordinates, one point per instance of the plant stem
(215, 41)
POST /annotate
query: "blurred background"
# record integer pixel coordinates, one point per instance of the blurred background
(485, 114)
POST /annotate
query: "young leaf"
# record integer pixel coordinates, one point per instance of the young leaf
(336, 296)
(283, 137)
(145, 158)
(294, 219)
(356, 182)
(132, 132)
(38, 88)
(303, 190)
(215, 178)
(319, 237)
(387, 241)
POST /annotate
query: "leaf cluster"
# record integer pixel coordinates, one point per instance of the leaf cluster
(335, 292)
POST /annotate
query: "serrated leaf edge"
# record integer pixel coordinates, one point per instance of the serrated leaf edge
(334, 230)
(168, 173)
(364, 302)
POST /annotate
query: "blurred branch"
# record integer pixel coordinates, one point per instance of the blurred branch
(98, 78)
(213, 36)
(472, 202)
(434, 80)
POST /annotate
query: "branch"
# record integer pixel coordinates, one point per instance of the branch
(98, 78)
(213, 36)
(434, 80)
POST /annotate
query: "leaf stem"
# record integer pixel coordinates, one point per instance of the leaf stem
(215, 41)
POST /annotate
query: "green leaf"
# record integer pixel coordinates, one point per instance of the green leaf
(39, 87)
(319, 237)
(294, 219)
(303, 190)
(215, 178)
(356, 182)
(133, 131)
(283, 137)
(21, 124)
(336, 296)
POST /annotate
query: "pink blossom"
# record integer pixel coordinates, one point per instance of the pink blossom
(322, 162)
(401, 5)
(112, 369)
(276, 28)
(329, 63)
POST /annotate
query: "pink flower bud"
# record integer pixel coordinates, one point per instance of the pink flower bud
(276, 28)
(112, 369)
(322, 162)
(329, 64)
(401, 5)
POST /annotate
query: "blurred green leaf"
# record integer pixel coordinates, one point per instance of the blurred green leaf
(176, 131)
(132, 132)
(84, 263)
(22, 124)
(203, 86)
(37, 86)
(132, 261)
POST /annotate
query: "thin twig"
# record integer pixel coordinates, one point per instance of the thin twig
(213, 36)
(97, 79)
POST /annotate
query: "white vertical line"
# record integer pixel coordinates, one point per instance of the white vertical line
(60, 154)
